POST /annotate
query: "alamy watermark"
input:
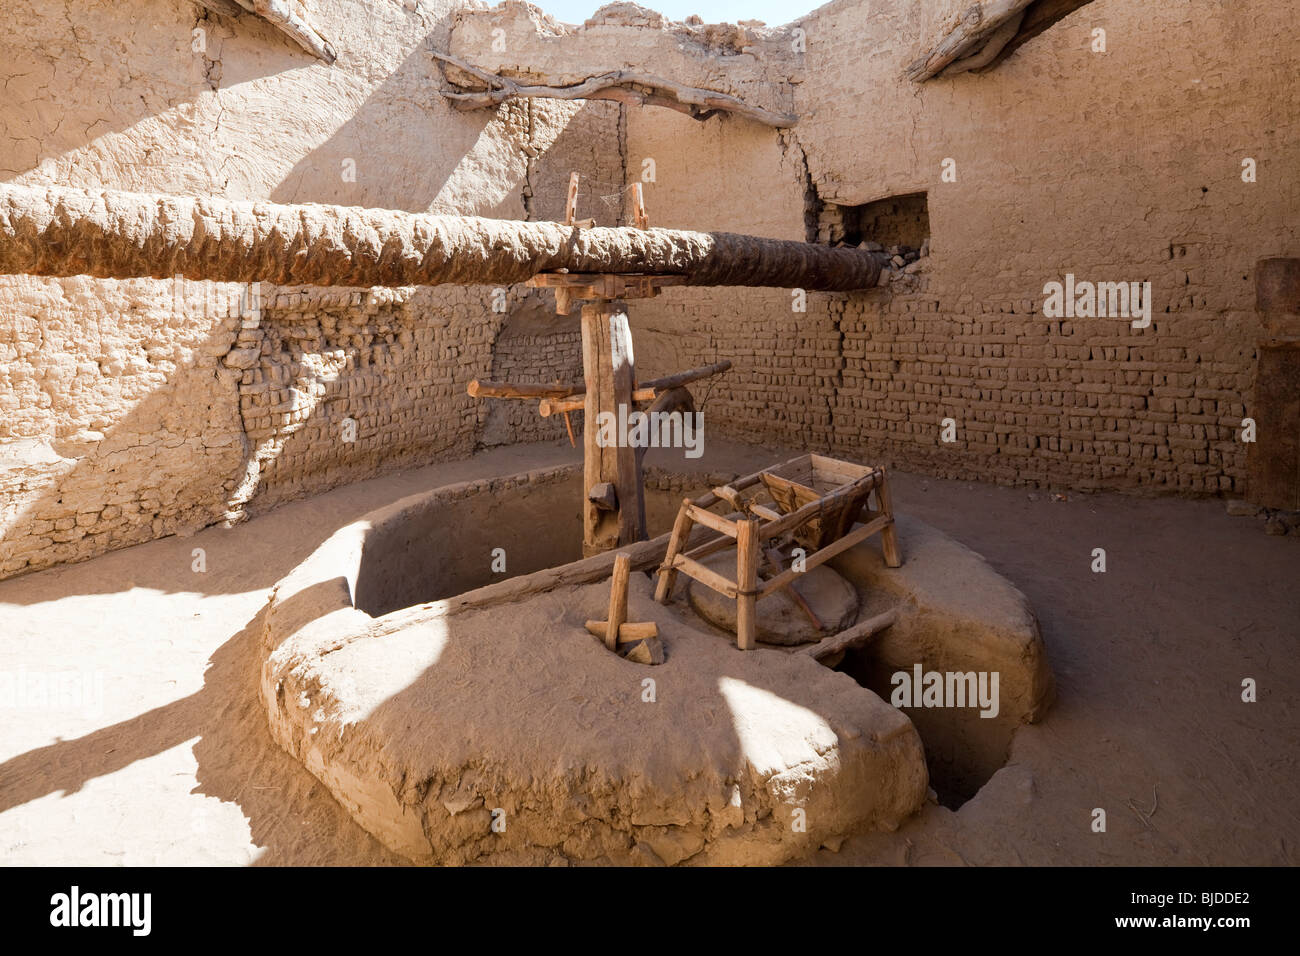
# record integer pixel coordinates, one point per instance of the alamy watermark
(75, 908)
(917, 688)
(1083, 299)
(70, 690)
(635, 429)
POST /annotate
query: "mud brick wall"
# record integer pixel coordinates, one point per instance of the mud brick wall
(1138, 179)
(129, 411)
(554, 357)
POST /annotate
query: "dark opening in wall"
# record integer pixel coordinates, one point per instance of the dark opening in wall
(892, 221)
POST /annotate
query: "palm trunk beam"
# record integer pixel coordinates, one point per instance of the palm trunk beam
(49, 231)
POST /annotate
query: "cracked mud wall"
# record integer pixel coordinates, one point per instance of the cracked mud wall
(1116, 166)
(130, 410)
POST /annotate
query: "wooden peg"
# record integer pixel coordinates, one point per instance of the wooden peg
(617, 599)
(638, 207)
(571, 204)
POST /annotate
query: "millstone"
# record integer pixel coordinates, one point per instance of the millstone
(781, 620)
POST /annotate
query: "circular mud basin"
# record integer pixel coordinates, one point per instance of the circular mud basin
(780, 618)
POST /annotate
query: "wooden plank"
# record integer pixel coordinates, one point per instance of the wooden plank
(617, 599)
(747, 544)
(854, 636)
(645, 392)
(889, 546)
(710, 520)
(706, 576)
(712, 546)
(628, 633)
(842, 472)
(823, 505)
(861, 533)
(676, 543)
(685, 378)
(486, 389)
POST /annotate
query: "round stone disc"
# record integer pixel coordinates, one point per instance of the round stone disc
(780, 619)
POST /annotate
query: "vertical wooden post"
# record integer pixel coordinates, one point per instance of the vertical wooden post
(610, 374)
(571, 201)
(746, 582)
(681, 534)
(617, 599)
(639, 217)
(889, 535)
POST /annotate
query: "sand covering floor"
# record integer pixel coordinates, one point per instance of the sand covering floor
(173, 762)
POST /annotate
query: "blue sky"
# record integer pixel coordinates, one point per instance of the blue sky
(772, 12)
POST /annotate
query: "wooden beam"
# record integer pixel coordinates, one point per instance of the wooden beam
(1038, 17)
(280, 15)
(705, 575)
(648, 391)
(482, 388)
(854, 636)
(819, 557)
(986, 34)
(62, 231)
(710, 520)
(630, 87)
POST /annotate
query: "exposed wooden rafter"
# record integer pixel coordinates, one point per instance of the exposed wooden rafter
(986, 34)
(281, 16)
(622, 86)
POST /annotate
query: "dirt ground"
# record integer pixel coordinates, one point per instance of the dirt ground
(164, 758)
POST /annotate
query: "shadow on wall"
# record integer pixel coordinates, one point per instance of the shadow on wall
(153, 61)
(509, 163)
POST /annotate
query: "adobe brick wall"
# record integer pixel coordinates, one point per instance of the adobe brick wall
(1117, 166)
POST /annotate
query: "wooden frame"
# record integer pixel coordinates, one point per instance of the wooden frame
(820, 510)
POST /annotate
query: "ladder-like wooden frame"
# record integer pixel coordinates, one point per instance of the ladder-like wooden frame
(761, 523)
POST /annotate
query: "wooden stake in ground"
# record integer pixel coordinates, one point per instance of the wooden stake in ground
(629, 633)
(617, 600)
(746, 583)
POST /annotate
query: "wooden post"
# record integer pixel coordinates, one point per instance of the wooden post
(746, 582)
(571, 201)
(610, 372)
(639, 216)
(681, 534)
(617, 599)
(888, 535)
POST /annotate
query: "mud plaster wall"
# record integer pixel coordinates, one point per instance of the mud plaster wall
(134, 409)
(1117, 166)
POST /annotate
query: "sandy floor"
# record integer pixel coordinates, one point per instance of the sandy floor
(165, 757)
